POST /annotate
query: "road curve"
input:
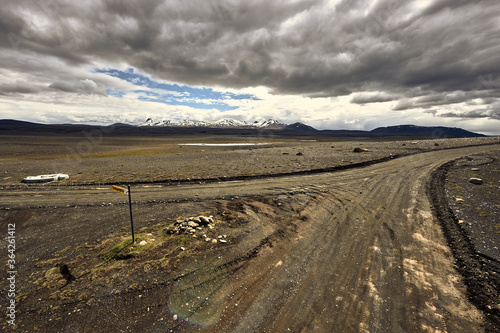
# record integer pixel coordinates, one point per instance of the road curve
(371, 257)
(374, 260)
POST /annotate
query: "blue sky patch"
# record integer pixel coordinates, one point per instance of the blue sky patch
(173, 94)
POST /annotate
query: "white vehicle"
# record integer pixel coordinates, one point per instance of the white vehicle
(46, 178)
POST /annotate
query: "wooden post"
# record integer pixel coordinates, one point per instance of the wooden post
(130, 207)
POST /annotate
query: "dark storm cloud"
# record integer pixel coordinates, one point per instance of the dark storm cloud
(487, 113)
(19, 88)
(434, 55)
(371, 98)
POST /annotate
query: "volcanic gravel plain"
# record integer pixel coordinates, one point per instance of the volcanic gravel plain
(305, 236)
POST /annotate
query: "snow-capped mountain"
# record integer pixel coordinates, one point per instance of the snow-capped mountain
(221, 123)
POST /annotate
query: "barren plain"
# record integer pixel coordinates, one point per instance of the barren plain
(307, 236)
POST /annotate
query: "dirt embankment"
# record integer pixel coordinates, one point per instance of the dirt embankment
(469, 216)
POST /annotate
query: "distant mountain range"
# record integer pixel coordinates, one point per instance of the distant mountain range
(434, 131)
(222, 123)
(228, 126)
(400, 130)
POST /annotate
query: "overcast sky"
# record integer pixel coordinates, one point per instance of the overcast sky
(351, 64)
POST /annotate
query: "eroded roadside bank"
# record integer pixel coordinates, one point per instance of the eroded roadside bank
(476, 259)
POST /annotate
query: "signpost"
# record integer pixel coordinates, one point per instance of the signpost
(126, 191)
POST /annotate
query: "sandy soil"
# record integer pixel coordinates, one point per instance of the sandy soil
(358, 250)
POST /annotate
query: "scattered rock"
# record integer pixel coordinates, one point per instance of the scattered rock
(474, 169)
(190, 225)
(204, 220)
(477, 181)
(359, 150)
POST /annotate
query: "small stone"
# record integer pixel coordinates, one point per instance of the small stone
(477, 181)
(459, 200)
(359, 150)
(183, 248)
(474, 169)
(208, 239)
(223, 241)
(461, 221)
(142, 243)
(193, 224)
(174, 317)
(214, 241)
(204, 220)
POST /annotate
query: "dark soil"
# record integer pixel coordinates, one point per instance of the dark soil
(471, 226)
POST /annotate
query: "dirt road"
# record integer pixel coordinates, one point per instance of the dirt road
(363, 253)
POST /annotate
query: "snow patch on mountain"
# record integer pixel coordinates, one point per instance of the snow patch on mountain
(221, 123)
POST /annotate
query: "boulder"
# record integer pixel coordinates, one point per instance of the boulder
(204, 220)
(477, 181)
